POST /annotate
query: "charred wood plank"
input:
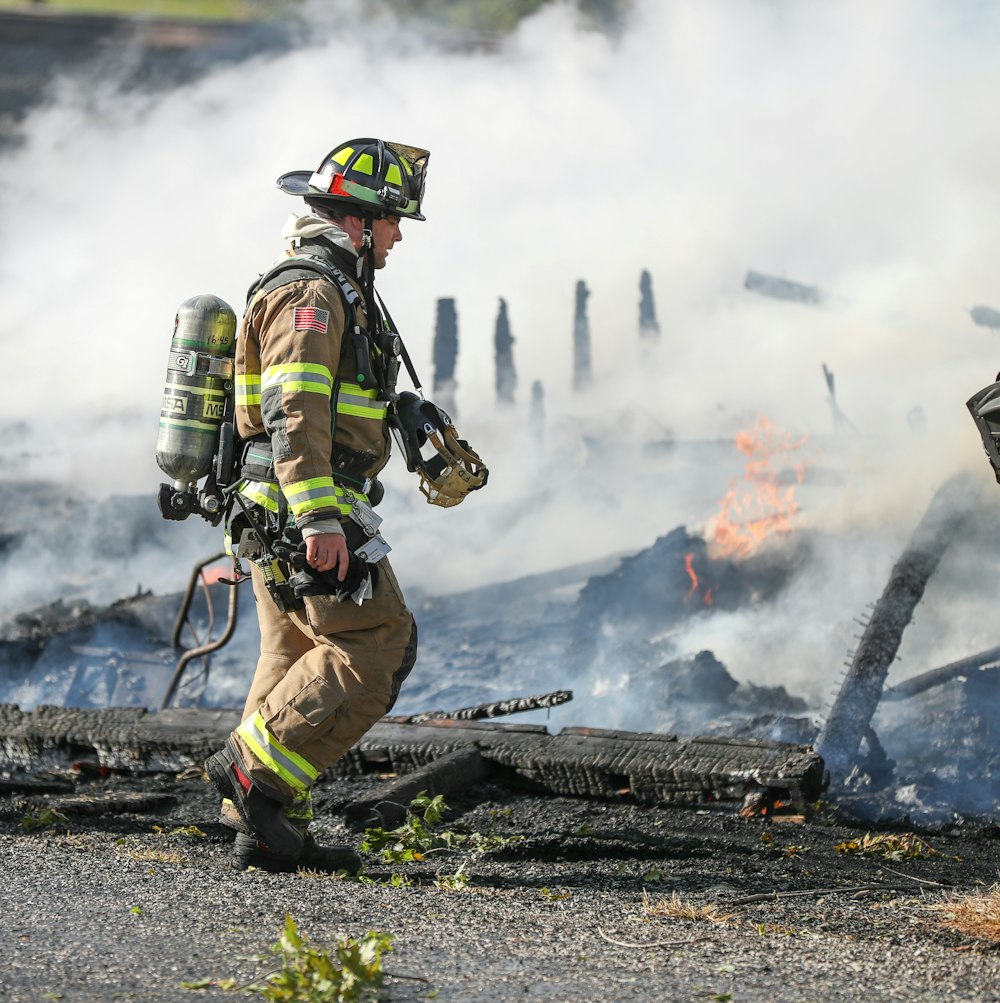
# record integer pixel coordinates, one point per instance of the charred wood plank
(582, 762)
(453, 772)
(861, 690)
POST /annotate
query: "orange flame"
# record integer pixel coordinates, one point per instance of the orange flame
(693, 575)
(689, 568)
(212, 574)
(760, 506)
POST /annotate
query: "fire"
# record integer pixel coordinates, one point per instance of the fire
(214, 573)
(759, 506)
(693, 575)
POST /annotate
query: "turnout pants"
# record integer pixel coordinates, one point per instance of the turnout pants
(325, 675)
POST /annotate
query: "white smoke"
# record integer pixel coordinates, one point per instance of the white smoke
(837, 145)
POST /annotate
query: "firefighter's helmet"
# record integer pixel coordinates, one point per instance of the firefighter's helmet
(370, 175)
(448, 467)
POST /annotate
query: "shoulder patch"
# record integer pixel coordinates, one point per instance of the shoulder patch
(310, 318)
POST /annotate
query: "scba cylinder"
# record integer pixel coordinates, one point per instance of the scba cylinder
(199, 381)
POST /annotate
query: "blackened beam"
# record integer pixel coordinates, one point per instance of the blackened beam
(943, 674)
(445, 775)
(516, 705)
(581, 762)
(861, 689)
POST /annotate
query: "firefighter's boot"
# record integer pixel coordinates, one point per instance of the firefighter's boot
(251, 852)
(262, 814)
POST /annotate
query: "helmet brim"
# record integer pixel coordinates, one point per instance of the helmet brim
(297, 183)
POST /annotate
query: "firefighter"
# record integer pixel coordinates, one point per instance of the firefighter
(316, 364)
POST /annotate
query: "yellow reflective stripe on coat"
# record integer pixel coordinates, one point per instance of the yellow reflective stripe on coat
(297, 377)
(247, 389)
(299, 774)
(351, 399)
(263, 493)
(316, 492)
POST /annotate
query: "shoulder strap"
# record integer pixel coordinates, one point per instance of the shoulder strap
(303, 266)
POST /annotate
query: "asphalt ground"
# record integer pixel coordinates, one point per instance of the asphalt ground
(584, 902)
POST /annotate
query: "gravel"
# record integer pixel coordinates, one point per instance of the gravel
(128, 905)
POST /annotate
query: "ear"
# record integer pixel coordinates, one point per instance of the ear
(354, 226)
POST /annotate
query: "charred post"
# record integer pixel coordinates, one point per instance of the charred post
(581, 338)
(445, 354)
(536, 418)
(649, 326)
(861, 691)
(503, 343)
(840, 420)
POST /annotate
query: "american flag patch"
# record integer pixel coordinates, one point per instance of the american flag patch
(309, 318)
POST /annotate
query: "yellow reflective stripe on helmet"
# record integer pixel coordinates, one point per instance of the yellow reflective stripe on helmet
(364, 164)
(393, 175)
(298, 773)
(351, 399)
(247, 389)
(342, 156)
(316, 492)
(298, 376)
(263, 493)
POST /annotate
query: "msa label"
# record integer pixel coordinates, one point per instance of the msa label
(215, 409)
(174, 405)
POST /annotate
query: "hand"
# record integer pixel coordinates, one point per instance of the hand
(328, 552)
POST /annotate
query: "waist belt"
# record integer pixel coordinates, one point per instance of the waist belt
(257, 464)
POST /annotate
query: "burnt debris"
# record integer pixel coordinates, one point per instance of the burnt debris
(578, 762)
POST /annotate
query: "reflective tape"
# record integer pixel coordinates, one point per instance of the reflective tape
(298, 377)
(351, 399)
(263, 493)
(247, 389)
(316, 492)
(302, 809)
(297, 772)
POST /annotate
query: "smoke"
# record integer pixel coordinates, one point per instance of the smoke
(838, 145)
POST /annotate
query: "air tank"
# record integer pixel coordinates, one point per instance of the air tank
(199, 381)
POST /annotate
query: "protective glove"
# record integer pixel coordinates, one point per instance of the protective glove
(308, 581)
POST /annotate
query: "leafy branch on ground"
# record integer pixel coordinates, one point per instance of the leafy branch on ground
(891, 845)
(44, 819)
(420, 834)
(308, 974)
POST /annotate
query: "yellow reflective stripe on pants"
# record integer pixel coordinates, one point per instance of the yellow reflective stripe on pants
(302, 809)
(263, 493)
(289, 766)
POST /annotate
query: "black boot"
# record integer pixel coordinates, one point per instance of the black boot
(264, 816)
(250, 852)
